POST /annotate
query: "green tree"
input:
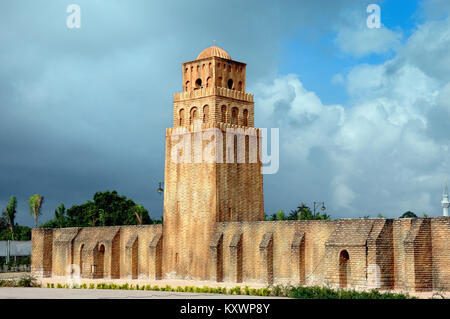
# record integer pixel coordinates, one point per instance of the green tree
(106, 209)
(280, 215)
(303, 212)
(9, 215)
(60, 216)
(35, 203)
(408, 214)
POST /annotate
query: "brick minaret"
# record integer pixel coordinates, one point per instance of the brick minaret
(198, 194)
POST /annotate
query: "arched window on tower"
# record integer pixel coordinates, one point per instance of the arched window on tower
(209, 82)
(245, 118)
(224, 113)
(187, 86)
(194, 114)
(181, 118)
(230, 84)
(240, 86)
(219, 81)
(198, 84)
(234, 115)
(205, 113)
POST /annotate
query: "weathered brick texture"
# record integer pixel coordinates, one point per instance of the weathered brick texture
(214, 226)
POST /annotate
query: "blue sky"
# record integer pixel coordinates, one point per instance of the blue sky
(316, 60)
(363, 113)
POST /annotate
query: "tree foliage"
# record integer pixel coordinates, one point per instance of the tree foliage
(35, 203)
(9, 229)
(408, 214)
(302, 212)
(9, 215)
(106, 209)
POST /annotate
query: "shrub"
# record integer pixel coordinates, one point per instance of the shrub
(28, 281)
(329, 293)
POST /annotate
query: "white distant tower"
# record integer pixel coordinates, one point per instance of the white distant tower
(445, 203)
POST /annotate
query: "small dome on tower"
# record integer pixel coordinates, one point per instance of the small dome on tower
(213, 51)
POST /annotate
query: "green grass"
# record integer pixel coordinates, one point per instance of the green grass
(300, 292)
(329, 293)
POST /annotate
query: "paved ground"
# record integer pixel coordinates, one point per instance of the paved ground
(98, 293)
(60, 293)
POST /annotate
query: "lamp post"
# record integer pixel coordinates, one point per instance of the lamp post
(160, 190)
(445, 203)
(316, 205)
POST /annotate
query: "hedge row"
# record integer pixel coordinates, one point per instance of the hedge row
(278, 291)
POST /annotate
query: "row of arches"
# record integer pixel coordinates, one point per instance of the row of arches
(233, 117)
(193, 115)
(225, 66)
(220, 66)
(200, 84)
(227, 115)
(186, 70)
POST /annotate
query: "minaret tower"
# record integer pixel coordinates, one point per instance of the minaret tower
(445, 203)
(199, 194)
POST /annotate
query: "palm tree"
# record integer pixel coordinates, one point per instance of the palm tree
(35, 202)
(10, 214)
(139, 211)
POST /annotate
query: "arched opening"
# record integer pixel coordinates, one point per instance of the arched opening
(208, 82)
(234, 115)
(198, 84)
(181, 117)
(343, 268)
(245, 118)
(187, 86)
(205, 113)
(219, 81)
(224, 113)
(240, 86)
(100, 262)
(134, 260)
(194, 114)
(81, 260)
(230, 84)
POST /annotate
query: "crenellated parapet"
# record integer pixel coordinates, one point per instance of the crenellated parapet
(213, 91)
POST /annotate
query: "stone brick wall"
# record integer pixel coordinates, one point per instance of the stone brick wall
(411, 254)
(214, 226)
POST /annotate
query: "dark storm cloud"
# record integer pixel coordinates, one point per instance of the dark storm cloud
(86, 110)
